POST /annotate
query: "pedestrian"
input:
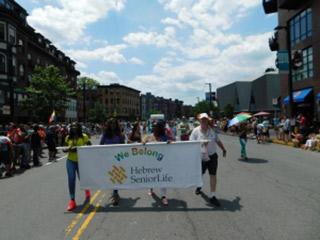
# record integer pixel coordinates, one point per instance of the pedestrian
(209, 154)
(242, 131)
(51, 141)
(113, 135)
(6, 155)
(36, 146)
(76, 138)
(158, 135)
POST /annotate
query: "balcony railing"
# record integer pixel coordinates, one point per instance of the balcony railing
(270, 6)
(291, 4)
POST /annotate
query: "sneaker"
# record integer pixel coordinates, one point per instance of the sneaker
(115, 198)
(215, 201)
(88, 194)
(164, 201)
(150, 192)
(72, 205)
(198, 191)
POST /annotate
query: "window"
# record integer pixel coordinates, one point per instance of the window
(306, 71)
(3, 61)
(12, 35)
(3, 35)
(2, 97)
(301, 26)
(21, 70)
(14, 65)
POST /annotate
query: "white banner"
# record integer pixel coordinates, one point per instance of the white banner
(135, 166)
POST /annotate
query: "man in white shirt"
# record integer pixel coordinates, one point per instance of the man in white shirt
(209, 154)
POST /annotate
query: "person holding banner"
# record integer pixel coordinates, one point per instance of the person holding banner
(159, 135)
(75, 139)
(112, 135)
(209, 154)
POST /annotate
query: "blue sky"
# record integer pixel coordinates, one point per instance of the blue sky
(171, 48)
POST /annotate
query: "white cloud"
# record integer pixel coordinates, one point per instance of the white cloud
(152, 38)
(109, 54)
(136, 61)
(244, 60)
(103, 77)
(211, 15)
(67, 22)
(172, 21)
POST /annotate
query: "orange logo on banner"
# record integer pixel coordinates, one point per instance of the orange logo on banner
(117, 174)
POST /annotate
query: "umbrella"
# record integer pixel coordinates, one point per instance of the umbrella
(238, 119)
(261, 114)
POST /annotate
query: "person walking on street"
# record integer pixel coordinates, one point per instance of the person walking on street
(243, 139)
(75, 139)
(113, 135)
(6, 155)
(209, 154)
(159, 135)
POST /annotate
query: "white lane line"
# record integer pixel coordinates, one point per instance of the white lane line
(57, 160)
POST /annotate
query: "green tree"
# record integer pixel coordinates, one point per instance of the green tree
(201, 107)
(89, 83)
(228, 111)
(47, 91)
(98, 113)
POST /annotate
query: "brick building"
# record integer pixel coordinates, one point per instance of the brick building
(21, 49)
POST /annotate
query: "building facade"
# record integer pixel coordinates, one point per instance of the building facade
(261, 94)
(21, 49)
(120, 101)
(298, 33)
(152, 104)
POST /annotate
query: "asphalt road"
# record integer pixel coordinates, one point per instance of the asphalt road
(275, 195)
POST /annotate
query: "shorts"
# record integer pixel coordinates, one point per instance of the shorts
(211, 165)
(286, 131)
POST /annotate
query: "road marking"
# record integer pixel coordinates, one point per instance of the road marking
(58, 160)
(86, 222)
(79, 216)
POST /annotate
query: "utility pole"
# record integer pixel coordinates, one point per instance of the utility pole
(210, 98)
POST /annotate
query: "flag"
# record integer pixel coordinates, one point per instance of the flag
(52, 117)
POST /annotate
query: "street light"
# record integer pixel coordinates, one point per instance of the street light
(290, 88)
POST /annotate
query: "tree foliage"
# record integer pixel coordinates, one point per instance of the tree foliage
(97, 114)
(89, 83)
(47, 91)
(204, 107)
(228, 111)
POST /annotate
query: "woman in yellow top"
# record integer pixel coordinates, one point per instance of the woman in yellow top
(75, 139)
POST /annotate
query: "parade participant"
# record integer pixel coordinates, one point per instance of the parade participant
(75, 139)
(242, 131)
(209, 155)
(159, 135)
(113, 135)
(6, 155)
(135, 135)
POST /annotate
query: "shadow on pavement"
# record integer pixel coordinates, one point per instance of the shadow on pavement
(253, 160)
(226, 205)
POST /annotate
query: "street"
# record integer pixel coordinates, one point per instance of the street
(274, 195)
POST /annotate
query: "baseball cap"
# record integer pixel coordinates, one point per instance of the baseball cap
(203, 115)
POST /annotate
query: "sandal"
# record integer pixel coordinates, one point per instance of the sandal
(164, 201)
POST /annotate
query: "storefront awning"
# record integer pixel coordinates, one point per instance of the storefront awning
(298, 96)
